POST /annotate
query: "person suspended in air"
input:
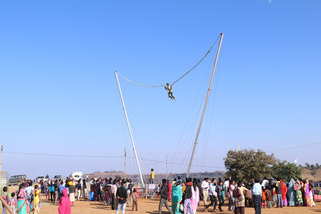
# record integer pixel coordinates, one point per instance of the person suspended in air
(169, 88)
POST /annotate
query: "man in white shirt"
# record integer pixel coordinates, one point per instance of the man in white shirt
(257, 194)
(226, 186)
(29, 190)
(205, 187)
(231, 199)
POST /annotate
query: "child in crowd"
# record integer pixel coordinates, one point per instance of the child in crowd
(263, 197)
(36, 200)
(299, 197)
(269, 197)
(13, 202)
(72, 190)
(135, 201)
(6, 198)
(248, 198)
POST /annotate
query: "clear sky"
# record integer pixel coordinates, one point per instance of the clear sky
(58, 93)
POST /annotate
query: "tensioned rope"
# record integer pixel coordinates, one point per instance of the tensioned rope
(139, 83)
(64, 155)
(189, 71)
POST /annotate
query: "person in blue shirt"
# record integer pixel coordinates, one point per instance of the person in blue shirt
(61, 187)
(257, 194)
(213, 195)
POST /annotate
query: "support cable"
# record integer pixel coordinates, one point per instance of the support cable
(190, 70)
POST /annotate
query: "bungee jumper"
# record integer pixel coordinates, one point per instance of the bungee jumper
(169, 88)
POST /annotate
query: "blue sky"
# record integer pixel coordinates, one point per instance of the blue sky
(58, 93)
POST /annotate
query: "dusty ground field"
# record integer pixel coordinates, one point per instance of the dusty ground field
(150, 206)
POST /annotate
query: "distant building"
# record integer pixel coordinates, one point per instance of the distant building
(316, 183)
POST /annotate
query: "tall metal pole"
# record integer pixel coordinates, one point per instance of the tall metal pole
(125, 160)
(1, 157)
(166, 167)
(207, 95)
(130, 131)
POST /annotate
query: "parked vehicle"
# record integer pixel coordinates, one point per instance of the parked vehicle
(39, 178)
(17, 179)
(76, 175)
(57, 177)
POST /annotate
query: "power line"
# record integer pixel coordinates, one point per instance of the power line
(65, 155)
(146, 159)
(294, 147)
(94, 156)
(176, 163)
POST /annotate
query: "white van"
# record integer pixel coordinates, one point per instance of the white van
(76, 175)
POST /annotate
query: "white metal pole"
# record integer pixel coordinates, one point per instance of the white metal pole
(207, 95)
(1, 157)
(125, 160)
(130, 131)
(166, 168)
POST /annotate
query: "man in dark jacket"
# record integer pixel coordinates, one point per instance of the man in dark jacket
(122, 198)
(164, 196)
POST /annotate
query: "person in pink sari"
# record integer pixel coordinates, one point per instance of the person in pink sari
(196, 198)
(64, 204)
(307, 193)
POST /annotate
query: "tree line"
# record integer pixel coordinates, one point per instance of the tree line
(244, 165)
(311, 166)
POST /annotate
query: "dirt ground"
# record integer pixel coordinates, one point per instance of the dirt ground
(151, 206)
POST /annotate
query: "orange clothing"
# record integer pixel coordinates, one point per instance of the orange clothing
(263, 195)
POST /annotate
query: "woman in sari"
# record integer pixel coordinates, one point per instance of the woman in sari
(22, 200)
(284, 190)
(298, 193)
(177, 195)
(196, 198)
(64, 203)
(291, 193)
(307, 193)
(36, 200)
(311, 195)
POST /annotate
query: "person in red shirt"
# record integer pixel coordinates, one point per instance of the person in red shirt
(263, 199)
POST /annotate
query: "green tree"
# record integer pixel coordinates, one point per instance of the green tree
(248, 164)
(285, 171)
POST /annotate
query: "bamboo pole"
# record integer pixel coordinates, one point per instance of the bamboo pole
(6, 205)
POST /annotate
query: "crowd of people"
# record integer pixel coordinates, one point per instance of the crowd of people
(187, 194)
(117, 193)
